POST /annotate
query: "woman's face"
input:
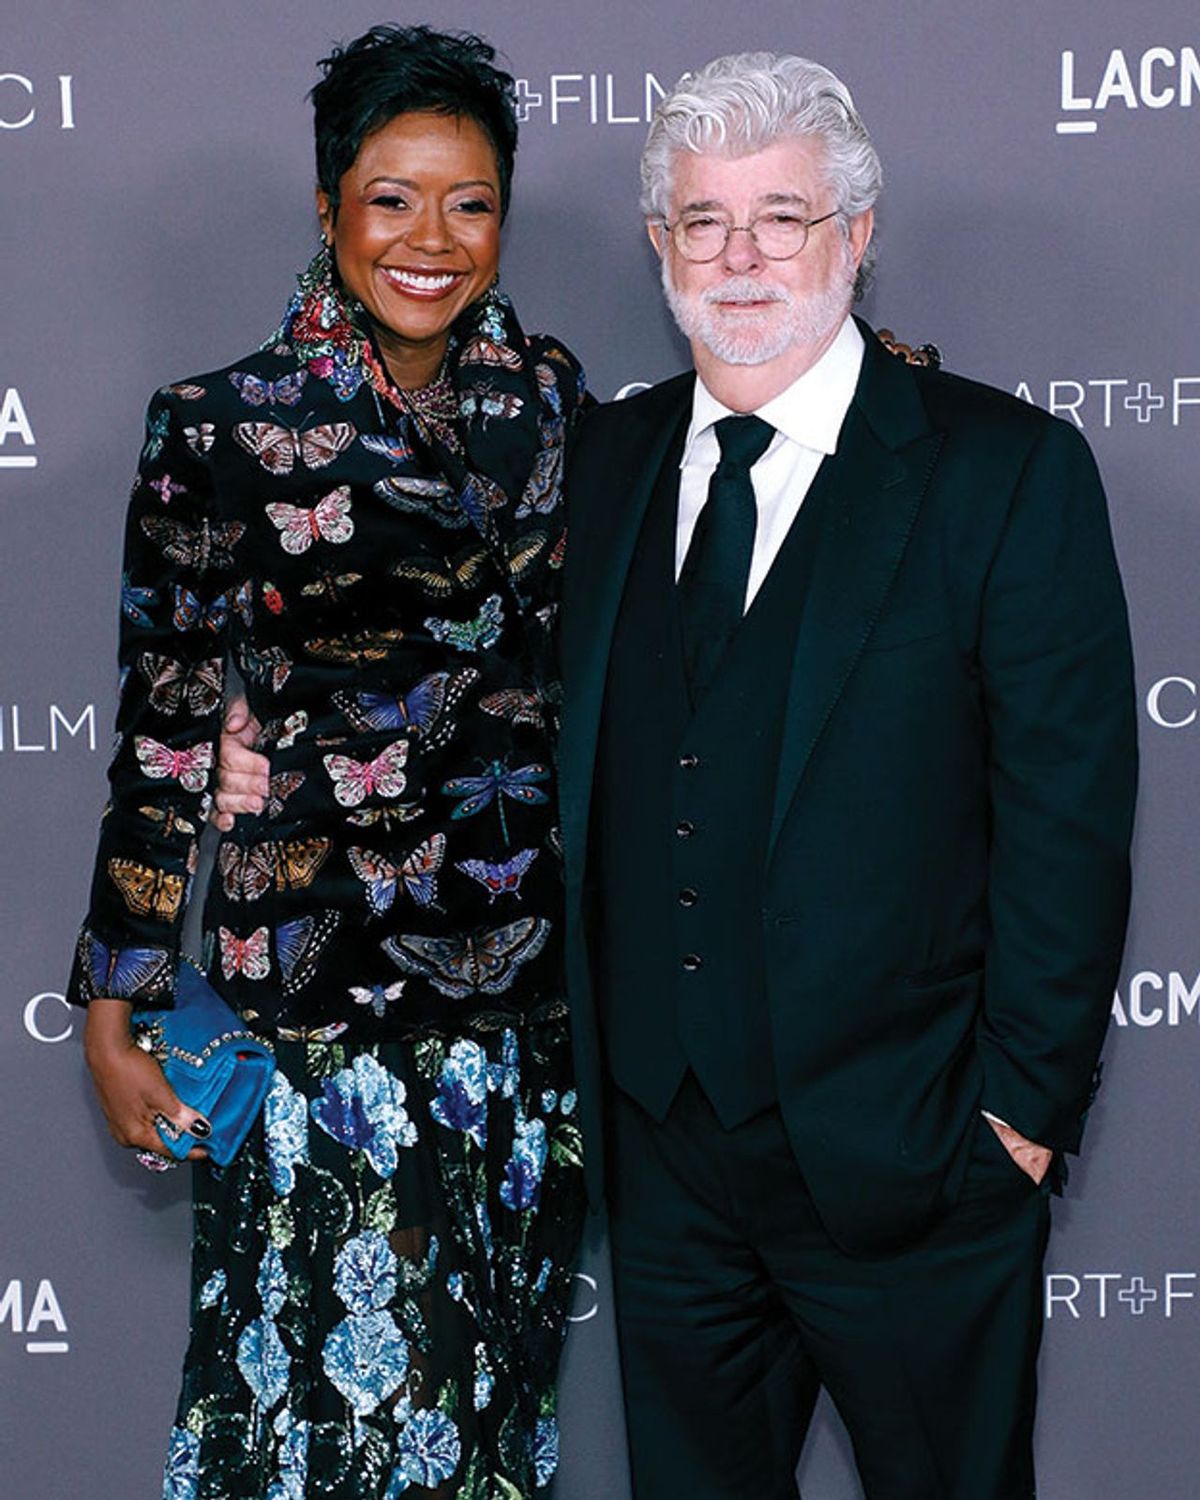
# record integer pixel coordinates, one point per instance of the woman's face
(417, 233)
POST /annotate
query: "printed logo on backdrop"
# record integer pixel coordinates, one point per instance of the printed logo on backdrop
(1173, 703)
(1094, 87)
(1151, 999)
(32, 1312)
(47, 1017)
(590, 98)
(46, 729)
(17, 442)
(1118, 400)
(1115, 1294)
(26, 101)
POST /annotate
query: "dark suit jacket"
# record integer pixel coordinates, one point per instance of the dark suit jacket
(946, 890)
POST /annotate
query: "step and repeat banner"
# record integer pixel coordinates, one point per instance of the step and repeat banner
(1038, 223)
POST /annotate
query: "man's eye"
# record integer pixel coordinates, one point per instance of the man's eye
(782, 220)
(701, 223)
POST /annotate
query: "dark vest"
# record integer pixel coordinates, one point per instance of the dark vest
(683, 820)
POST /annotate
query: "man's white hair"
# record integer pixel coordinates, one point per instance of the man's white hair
(739, 104)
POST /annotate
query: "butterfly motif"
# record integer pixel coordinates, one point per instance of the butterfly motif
(254, 391)
(173, 683)
(466, 964)
(283, 733)
(388, 817)
(495, 784)
(169, 819)
(416, 711)
(250, 956)
(379, 996)
(241, 600)
(187, 391)
(502, 879)
(518, 705)
(135, 601)
(277, 448)
(392, 446)
(486, 351)
(558, 552)
(190, 613)
(484, 402)
(280, 787)
(156, 435)
(247, 874)
(189, 767)
(272, 664)
(331, 587)
(199, 547)
(271, 597)
(167, 488)
(429, 497)
(122, 973)
(367, 645)
(547, 383)
(543, 492)
(147, 891)
(299, 945)
(355, 780)
(471, 635)
(200, 438)
(418, 873)
(329, 520)
(439, 576)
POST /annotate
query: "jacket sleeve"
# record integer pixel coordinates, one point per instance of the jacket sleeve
(1057, 678)
(178, 593)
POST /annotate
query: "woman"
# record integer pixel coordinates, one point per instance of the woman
(365, 517)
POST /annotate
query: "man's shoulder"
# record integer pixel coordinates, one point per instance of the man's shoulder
(643, 410)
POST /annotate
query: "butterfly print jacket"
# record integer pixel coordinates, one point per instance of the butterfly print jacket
(389, 605)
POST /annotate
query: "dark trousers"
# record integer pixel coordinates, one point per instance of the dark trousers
(734, 1307)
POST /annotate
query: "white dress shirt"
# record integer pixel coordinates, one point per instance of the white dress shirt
(807, 419)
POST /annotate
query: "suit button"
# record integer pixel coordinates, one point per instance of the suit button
(684, 829)
(688, 897)
(692, 962)
(688, 762)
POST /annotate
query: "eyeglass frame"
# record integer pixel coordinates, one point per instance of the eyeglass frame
(731, 229)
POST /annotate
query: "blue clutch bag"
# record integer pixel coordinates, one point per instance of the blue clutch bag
(211, 1061)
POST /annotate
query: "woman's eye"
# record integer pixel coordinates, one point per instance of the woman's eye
(388, 200)
(474, 206)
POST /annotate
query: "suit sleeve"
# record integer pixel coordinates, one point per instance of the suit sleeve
(177, 597)
(1057, 677)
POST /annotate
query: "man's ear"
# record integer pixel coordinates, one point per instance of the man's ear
(859, 233)
(657, 231)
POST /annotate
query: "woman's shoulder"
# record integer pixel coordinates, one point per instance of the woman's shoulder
(269, 376)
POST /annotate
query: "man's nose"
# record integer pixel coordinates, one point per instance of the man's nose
(741, 253)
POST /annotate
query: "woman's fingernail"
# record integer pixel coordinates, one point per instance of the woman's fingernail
(201, 1129)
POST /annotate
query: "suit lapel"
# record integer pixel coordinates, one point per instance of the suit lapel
(609, 485)
(885, 456)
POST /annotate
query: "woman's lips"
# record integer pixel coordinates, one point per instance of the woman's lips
(429, 286)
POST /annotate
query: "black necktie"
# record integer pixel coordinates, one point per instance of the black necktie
(712, 584)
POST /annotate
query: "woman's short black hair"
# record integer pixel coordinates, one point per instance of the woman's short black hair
(396, 70)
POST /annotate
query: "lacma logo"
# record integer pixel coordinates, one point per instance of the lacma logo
(24, 101)
(40, 1313)
(1158, 78)
(16, 433)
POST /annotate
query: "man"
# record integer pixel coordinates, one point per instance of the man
(847, 777)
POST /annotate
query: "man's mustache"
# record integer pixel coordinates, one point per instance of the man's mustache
(745, 289)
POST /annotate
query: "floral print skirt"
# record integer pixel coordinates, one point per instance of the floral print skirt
(380, 1280)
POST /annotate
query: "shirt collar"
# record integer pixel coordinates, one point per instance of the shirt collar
(809, 412)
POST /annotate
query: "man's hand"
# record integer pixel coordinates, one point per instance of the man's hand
(242, 783)
(1033, 1160)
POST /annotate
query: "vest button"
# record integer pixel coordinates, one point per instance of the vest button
(688, 897)
(692, 962)
(688, 761)
(684, 829)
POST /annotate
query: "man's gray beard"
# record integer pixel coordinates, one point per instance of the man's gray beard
(759, 337)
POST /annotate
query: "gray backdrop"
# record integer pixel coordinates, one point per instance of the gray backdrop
(1038, 222)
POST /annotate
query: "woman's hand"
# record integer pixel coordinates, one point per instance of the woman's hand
(131, 1086)
(242, 783)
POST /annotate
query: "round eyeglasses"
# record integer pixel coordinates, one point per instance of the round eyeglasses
(779, 235)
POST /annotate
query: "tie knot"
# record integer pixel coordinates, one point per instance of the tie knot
(743, 440)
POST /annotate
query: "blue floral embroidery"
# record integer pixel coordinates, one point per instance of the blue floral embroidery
(505, 1076)
(549, 1100)
(545, 1450)
(183, 1465)
(364, 1274)
(285, 1133)
(293, 1465)
(569, 1101)
(272, 1282)
(366, 1357)
(210, 1292)
(263, 1361)
(523, 1171)
(461, 1102)
(363, 1108)
(485, 1381)
(429, 1450)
